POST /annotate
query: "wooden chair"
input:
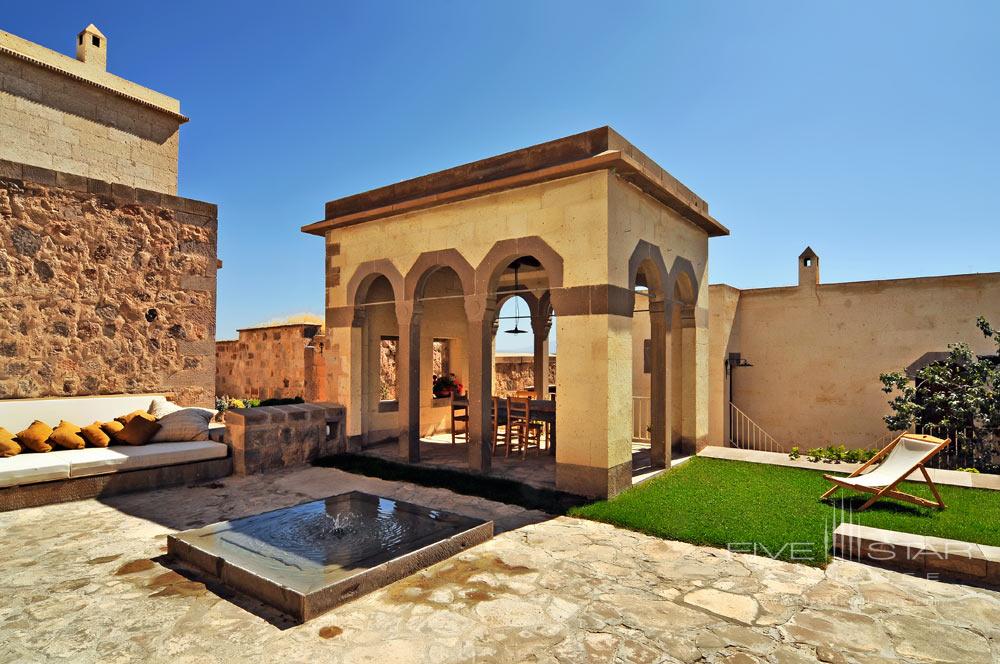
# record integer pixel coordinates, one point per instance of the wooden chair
(459, 414)
(908, 453)
(499, 420)
(520, 424)
(524, 394)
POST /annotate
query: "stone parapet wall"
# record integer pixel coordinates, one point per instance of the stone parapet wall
(273, 437)
(104, 289)
(275, 362)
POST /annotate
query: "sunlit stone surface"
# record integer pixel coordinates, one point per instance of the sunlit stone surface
(87, 582)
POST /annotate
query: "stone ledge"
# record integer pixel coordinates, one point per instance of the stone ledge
(948, 477)
(272, 437)
(12, 170)
(925, 555)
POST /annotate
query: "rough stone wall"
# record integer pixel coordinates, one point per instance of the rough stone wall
(517, 372)
(104, 289)
(269, 362)
(50, 120)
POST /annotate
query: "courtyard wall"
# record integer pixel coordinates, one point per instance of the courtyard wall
(817, 349)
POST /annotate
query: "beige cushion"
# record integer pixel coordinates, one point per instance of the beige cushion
(28, 468)
(178, 423)
(98, 461)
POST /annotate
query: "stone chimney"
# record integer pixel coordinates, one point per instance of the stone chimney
(808, 268)
(92, 47)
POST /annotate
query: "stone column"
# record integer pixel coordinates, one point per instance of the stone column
(593, 416)
(540, 326)
(480, 390)
(408, 381)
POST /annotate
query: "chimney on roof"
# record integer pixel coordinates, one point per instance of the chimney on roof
(92, 47)
(808, 268)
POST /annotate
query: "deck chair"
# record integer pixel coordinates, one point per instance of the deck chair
(909, 452)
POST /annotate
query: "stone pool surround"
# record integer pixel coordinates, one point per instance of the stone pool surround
(195, 547)
(543, 590)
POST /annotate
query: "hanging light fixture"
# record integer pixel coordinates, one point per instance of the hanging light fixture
(517, 308)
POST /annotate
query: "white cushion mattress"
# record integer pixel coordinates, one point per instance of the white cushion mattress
(28, 468)
(97, 460)
(31, 467)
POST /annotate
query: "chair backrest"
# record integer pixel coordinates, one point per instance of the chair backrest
(909, 452)
(518, 409)
(496, 415)
(524, 394)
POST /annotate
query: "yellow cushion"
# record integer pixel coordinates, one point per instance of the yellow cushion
(8, 446)
(95, 436)
(125, 419)
(112, 428)
(138, 431)
(67, 436)
(34, 437)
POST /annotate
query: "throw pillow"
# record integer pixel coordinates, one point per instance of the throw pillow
(8, 446)
(160, 407)
(112, 428)
(67, 436)
(138, 431)
(95, 436)
(125, 419)
(183, 424)
(34, 437)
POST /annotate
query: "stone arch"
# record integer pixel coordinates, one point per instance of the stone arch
(503, 252)
(648, 258)
(429, 262)
(366, 274)
(683, 282)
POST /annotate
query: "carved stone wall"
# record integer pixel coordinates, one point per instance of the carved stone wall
(104, 289)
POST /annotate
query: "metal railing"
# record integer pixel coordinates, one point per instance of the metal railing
(641, 419)
(971, 447)
(746, 434)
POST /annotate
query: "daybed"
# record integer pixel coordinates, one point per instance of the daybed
(35, 478)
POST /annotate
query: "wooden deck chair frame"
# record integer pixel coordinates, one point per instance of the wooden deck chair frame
(889, 491)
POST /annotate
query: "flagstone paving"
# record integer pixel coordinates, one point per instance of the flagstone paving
(87, 582)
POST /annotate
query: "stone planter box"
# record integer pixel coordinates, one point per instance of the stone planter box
(932, 557)
(273, 437)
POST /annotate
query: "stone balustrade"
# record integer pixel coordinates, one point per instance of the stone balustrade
(272, 437)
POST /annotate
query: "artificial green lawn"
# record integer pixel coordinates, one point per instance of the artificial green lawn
(776, 511)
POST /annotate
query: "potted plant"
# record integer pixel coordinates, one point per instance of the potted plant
(446, 386)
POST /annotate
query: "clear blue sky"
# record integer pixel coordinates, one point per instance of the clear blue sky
(868, 130)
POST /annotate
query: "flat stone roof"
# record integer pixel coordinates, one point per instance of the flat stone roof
(598, 149)
(16, 47)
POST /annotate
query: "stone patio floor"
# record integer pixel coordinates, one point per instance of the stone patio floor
(87, 582)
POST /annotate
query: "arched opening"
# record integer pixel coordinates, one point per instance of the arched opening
(649, 369)
(523, 362)
(442, 367)
(683, 388)
(379, 370)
